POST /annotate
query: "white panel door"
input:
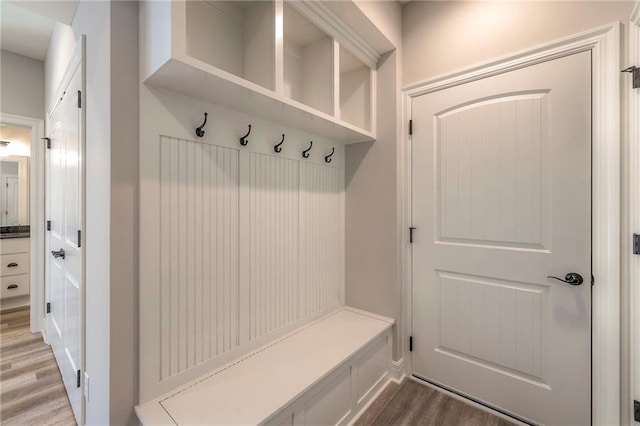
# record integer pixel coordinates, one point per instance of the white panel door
(501, 199)
(64, 253)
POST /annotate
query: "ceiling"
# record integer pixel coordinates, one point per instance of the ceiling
(16, 134)
(26, 26)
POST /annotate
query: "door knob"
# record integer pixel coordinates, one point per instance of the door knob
(571, 278)
(57, 254)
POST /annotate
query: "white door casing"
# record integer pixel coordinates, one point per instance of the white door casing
(501, 198)
(634, 209)
(36, 215)
(64, 211)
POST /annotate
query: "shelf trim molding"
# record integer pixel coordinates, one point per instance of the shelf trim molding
(329, 22)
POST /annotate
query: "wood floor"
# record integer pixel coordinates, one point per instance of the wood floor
(414, 404)
(31, 389)
(32, 393)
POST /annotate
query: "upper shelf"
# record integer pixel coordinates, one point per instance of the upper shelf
(295, 63)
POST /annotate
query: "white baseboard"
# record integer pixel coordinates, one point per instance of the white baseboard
(397, 370)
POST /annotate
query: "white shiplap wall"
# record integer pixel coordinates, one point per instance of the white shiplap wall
(199, 252)
(275, 234)
(239, 244)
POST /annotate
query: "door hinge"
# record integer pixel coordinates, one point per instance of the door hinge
(635, 76)
(48, 141)
(48, 307)
(79, 238)
(78, 379)
(48, 225)
(593, 280)
(410, 127)
(411, 229)
(636, 243)
(636, 410)
(79, 99)
(410, 343)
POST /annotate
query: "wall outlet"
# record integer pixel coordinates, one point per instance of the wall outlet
(86, 386)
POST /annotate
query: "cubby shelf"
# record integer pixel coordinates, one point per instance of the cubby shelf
(286, 62)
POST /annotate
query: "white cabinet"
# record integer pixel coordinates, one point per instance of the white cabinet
(14, 267)
(300, 64)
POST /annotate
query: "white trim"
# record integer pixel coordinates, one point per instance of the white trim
(36, 218)
(328, 21)
(634, 211)
(604, 44)
(397, 370)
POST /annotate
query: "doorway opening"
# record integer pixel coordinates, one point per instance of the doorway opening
(15, 153)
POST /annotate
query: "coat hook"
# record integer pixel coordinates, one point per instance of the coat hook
(305, 153)
(328, 157)
(277, 148)
(243, 140)
(200, 130)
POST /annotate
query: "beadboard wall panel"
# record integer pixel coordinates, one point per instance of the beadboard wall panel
(239, 245)
(199, 253)
(274, 293)
(322, 237)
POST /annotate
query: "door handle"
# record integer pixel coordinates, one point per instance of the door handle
(12, 286)
(571, 278)
(57, 254)
(12, 265)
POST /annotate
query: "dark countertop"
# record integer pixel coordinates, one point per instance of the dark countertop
(14, 232)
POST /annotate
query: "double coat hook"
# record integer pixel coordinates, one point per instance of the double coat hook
(200, 130)
(243, 140)
(327, 159)
(277, 148)
(305, 153)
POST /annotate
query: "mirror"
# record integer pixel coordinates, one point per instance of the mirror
(14, 191)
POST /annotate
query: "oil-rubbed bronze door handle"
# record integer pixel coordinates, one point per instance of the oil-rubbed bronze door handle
(57, 254)
(571, 278)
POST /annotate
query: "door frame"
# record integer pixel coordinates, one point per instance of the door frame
(36, 218)
(634, 214)
(604, 44)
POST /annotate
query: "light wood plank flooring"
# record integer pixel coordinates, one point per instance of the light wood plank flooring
(414, 404)
(31, 389)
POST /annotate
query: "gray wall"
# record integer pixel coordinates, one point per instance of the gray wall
(373, 278)
(21, 85)
(111, 253)
(442, 36)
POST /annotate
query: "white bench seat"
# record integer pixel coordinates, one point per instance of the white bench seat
(326, 371)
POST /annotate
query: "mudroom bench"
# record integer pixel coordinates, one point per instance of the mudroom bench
(326, 372)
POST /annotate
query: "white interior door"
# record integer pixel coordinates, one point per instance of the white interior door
(501, 199)
(64, 277)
